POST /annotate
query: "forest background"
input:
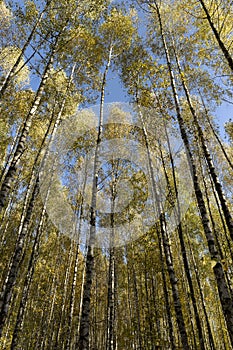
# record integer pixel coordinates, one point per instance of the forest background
(171, 62)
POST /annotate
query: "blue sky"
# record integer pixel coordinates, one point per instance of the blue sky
(223, 114)
(116, 93)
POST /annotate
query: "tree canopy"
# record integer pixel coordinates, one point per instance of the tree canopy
(116, 220)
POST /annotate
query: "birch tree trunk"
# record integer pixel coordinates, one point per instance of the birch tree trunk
(11, 172)
(14, 265)
(225, 297)
(28, 281)
(21, 146)
(137, 310)
(182, 243)
(165, 242)
(73, 339)
(217, 184)
(111, 342)
(111, 312)
(225, 52)
(13, 70)
(69, 341)
(83, 342)
(25, 220)
(166, 296)
(210, 335)
(215, 133)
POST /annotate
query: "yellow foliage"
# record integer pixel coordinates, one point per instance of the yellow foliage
(117, 30)
(5, 16)
(31, 10)
(8, 57)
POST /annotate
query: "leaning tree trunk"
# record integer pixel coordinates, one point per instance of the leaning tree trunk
(10, 154)
(224, 294)
(15, 262)
(84, 336)
(34, 253)
(28, 281)
(25, 220)
(6, 217)
(215, 133)
(225, 51)
(217, 184)
(180, 228)
(11, 172)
